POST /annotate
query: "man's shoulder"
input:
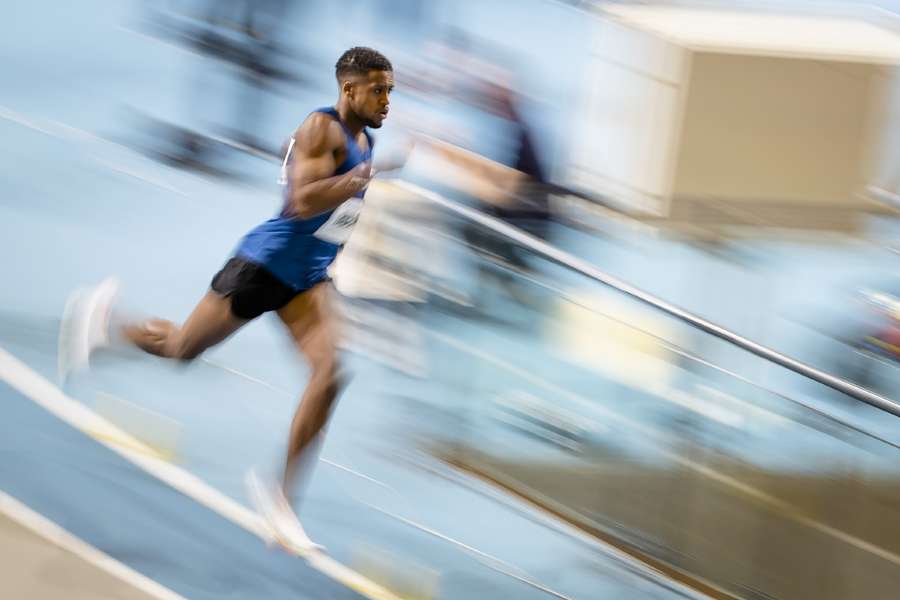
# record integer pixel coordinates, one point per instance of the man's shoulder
(319, 130)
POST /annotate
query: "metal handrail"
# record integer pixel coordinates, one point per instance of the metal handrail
(564, 258)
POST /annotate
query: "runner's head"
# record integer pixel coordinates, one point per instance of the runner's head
(365, 79)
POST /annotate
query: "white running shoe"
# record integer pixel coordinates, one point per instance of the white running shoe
(85, 326)
(274, 508)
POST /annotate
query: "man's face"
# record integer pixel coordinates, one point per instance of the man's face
(370, 97)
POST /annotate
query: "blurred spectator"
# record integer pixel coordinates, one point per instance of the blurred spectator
(512, 184)
(244, 35)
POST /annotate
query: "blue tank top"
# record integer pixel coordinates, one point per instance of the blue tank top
(299, 251)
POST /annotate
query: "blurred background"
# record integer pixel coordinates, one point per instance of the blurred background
(534, 410)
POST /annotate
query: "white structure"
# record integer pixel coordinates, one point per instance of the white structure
(687, 104)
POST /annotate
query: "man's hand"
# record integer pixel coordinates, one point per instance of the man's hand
(361, 175)
(397, 159)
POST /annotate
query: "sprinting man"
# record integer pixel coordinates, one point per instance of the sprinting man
(280, 266)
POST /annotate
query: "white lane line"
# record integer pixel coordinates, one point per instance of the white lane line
(139, 176)
(249, 377)
(67, 132)
(14, 117)
(544, 518)
(58, 536)
(363, 476)
(38, 389)
(484, 558)
(489, 561)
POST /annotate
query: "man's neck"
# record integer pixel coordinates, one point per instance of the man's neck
(352, 122)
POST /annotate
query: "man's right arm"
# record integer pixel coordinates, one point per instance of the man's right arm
(314, 188)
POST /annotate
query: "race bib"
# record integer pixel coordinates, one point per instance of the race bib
(337, 229)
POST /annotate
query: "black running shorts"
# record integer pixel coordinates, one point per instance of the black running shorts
(252, 289)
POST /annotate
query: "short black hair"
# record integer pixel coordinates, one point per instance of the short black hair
(359, 61)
